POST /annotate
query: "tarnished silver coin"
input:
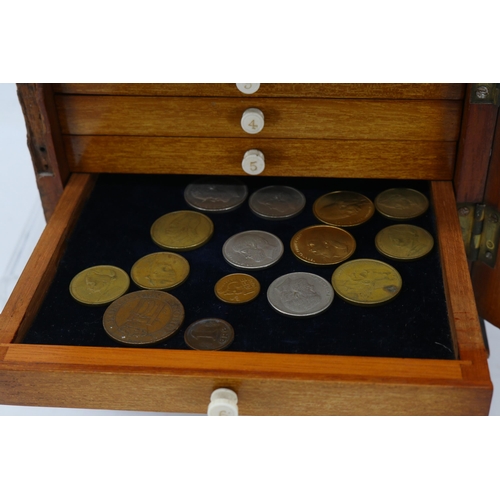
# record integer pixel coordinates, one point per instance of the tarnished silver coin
(215, 194)
(300, 294)
(253, 250)
(209, 334)
(277, 202)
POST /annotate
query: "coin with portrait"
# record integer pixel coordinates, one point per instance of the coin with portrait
(209, 334)
(237, 288)
(160, 271)
(404, 242)
(343, 208)
(401, 203)
(277, 202)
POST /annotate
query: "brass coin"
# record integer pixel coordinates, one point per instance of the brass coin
(404, 242)
(401, 203)
(142, 318)
(237, 288)
(366, 282)
(182, 230)
(99, 285)
(209, 334)
(343, 209)
(323, 245)
(160, 271)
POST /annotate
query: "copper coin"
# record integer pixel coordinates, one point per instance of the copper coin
(142, 318)
(160, 271)
(209, 334)
(404, 242)
(323, 245)
(401, 203)
(237, 288)
(343, 208)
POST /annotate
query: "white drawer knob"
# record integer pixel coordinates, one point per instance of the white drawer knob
(248, 88)
(252, 120)
(223, 403)
(253, 162)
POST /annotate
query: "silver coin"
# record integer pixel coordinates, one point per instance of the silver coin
(277, 202)
(253, 250)
(300, 294)
(215, 194)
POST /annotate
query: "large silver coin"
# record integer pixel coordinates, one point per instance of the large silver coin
(215, 194)
(300, 294)
(253, 250)
(277, 202)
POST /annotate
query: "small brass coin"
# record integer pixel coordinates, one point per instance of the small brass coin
(343, 209)
(401, 203)
(181, 231)
(404, 242)
(99, 285)
(323, 245)
(160, 271)
(366, 282)
(143, 318)
(209, 334)
(237, 288)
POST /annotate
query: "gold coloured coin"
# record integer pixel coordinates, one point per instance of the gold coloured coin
(323, 245)
(160, 271)
(366, 282)
(343, 209)
(99, 285)
(182, 230)
(237, 288)
(401, 203)
(404, 242)
(142, 318)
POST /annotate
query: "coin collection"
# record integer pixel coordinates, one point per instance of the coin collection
(151, 315)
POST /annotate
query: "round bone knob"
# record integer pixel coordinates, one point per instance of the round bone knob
(248, 88)
(252, 120)
(253, 162)
(223, 403)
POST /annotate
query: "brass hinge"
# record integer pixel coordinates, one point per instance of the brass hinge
(485, 93)
(480, 226)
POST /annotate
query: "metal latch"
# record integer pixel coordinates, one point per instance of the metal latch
(485, 93)
(480, 226)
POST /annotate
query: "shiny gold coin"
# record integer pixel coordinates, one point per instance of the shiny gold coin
(237, 288)
(401, 203)
(160, 271)
(141, 318)
(404, 242)
(181, 231)
(323, 245)
(343, 208)
(99, 285)
(366, 282)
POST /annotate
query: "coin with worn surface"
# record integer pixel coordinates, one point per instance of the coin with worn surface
(300, 294)
(99, 285)
(401, 203)
(253, 250)
(209, 334)
(146, 317)
(237, 288)
(182, 230)
(277, 202)
(404, 242)
(343, 208)
(323, 245)
(160, 271)
(366, 282)
(215, 194)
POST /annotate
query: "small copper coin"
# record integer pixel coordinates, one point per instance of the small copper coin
(160, 271)
(143, 318)
(99, 285)
(343, 208)
(401, 203)
(404, 242)
(209, 334)
(182, 230)
(237, 288)
(323, 245)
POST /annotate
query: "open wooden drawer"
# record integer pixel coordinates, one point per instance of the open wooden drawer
(181, 380)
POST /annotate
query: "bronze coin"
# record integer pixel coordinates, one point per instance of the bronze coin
(404, 242)
(209, 334)
(160, 271)
(143, 318)
(323, 245)
(343, 209)
(401, 203)
(237, 288)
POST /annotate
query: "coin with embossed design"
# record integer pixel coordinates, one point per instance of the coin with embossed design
(182, 230)
(404, 242)
(277, 202)
(300, 294)
(237, 288)
(401, 203)
(99, 285)
(366, 282)
(160, 271)
(209, 334)
(343, 208)
(142, 318)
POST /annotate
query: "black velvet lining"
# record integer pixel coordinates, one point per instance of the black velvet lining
(114, 228)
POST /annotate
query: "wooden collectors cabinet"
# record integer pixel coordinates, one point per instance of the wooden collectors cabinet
(422, 132)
